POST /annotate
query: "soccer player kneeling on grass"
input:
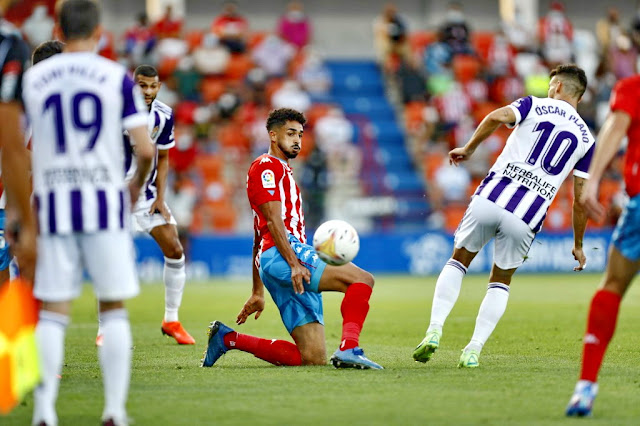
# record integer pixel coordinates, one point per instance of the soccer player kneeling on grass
(512, 201)
(290, 269)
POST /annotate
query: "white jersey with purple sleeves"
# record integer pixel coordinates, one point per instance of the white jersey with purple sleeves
(78, 105)
(550, 140)
(160, 124)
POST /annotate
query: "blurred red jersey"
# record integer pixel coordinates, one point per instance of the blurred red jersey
(271, 179)
(626, 97)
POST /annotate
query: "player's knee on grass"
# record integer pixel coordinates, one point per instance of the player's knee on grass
(499, 275)
(313, 355)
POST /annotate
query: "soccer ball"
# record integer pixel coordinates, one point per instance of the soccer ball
(336, 242)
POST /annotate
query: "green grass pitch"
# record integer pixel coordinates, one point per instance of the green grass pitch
(526, 375)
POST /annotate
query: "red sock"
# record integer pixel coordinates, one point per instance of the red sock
(354, 308)
(601, 324)
(277, 352)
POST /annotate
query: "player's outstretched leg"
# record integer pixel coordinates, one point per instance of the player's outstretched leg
(354, 308)
(223, 339)
(601, 325)
(491, 310)
(444, 298)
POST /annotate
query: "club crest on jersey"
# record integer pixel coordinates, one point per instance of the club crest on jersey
(154, 132)
(268, 179)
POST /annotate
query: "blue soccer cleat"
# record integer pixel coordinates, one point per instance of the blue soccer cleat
(215, 347)
(581, 401)
(353, 358)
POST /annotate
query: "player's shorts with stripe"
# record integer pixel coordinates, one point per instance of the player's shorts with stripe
(483, 221)
(275, 272)
(626, 236)
(143, 221)
(5, 256)
(108, 257)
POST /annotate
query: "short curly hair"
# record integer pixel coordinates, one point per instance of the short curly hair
(574, 77)
(278, 117)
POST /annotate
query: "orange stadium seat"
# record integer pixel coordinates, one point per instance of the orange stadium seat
(453, 215)
(239, 66)
(482, 41)
(465, 68)
(256, 38)
(212, 88)
(166, 67)
(431, 163)
(209, 166)
(419, 40)
(194, 39)
(481, 110)
(315, 112)
(232, 138)
(413, 114)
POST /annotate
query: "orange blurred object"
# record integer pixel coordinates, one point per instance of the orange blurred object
(209, 166)
(465, 68)
(239, 66)
(212, 88)
(166, 67)
(194, 39)
(19, 366)
(419, 40)
(453, 215)
(482, 41)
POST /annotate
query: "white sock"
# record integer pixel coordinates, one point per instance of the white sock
(115, 361)
(50, 333)
(174, 278)
(493, 306)
(446, 293)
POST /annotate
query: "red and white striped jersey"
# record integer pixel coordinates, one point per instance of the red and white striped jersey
(271, 179)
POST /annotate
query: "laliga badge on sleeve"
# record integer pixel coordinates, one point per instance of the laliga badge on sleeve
(268, 179)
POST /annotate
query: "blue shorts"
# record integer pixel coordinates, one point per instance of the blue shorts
(626, 236)
(5, 257)
(295, 309)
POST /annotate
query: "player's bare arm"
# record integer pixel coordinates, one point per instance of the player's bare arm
(489, 124)
(579, 220)
(299, 274)
(145, 152)
(255, 303)
(610, 138)
(161, 183)
(15, 164)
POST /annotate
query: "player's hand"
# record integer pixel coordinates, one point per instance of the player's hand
(578, 255)
(134, 193)
(458, 155)
(159, 206)
(25, 250)
(299, 275)
(255, 303)
(590, 203)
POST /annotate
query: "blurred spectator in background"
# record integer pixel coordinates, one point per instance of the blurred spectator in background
(38, 27)
(390, 38)
(181, 197)
(211, 57)
(291, 95)
(455, 31)
(139, 41)
(500, 56)
(294, 26)
(556, 35)
(412, 83)
(518, 32)
(608, 29)
(169, 26)
(273, 55)
(635, 28)
(437, 57)
(313, 181)
(187, 79)
(232, 28)
(313, 74)
(622, 57)
(333, 131)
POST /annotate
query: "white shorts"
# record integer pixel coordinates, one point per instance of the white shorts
(108, 257)
(143, 221)
(484, 220)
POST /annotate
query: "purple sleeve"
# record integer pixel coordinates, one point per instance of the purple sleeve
(134, 113)
(583, 164)
(523, 106)
(165, 140)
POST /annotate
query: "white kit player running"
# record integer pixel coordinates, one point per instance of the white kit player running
(151, 214)
(78, 105)
(511, 203)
